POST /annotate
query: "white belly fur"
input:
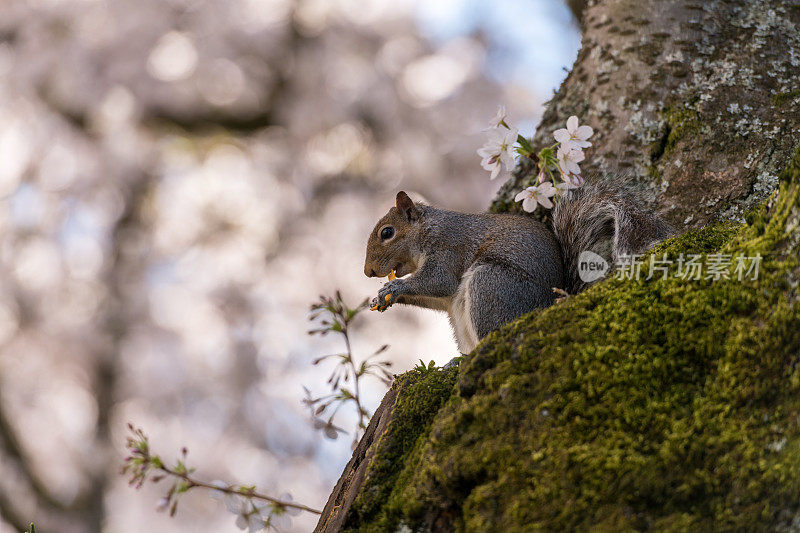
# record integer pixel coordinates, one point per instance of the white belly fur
(460, 318)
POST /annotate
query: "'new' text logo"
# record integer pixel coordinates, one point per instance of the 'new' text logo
(591, 266)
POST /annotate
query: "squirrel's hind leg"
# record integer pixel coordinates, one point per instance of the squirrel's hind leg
(499, 294)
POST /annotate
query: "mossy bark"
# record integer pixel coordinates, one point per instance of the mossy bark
(399, 425)
(666, 404)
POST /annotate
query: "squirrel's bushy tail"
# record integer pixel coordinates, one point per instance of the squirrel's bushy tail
(599, 218)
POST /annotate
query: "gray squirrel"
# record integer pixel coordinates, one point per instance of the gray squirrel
(485, 270)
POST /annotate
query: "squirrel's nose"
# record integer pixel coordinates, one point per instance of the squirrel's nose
(369, 272)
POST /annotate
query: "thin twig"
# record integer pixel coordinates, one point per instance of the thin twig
(335, 316)
(356, 395)
(247, 493)
(141, 463)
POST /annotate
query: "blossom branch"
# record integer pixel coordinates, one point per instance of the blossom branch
(142, 465)
(247, 492)
(562, 159)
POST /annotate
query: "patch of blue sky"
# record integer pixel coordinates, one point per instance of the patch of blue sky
(530, 42)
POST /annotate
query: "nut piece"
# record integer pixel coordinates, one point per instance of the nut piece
(385, 299)
(392, 275)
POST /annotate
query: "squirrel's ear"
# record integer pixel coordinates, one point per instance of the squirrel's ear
(407, 207)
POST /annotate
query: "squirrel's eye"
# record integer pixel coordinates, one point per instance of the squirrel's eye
(387, 233)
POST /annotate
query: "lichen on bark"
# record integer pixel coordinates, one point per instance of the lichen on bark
(717, 82)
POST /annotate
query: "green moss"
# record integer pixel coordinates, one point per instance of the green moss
(664, 404)
(501, 206)
(421, 395)
(654, 173)
(703, 240)
(682, 122)
(782, 98)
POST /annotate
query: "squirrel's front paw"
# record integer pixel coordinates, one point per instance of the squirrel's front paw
(387, 296)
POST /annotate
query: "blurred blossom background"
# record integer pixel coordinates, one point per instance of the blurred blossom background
(179, 180)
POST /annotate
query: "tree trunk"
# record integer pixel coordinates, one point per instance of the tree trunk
(696, 101)
(637, 404)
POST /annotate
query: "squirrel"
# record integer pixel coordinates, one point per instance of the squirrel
(485, 270)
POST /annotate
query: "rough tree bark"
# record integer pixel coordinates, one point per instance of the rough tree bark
(695, 100)
(577, 7)
(635, 405)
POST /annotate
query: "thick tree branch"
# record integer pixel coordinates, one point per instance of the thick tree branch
(9, 515)
(14, 449)
(121, 268)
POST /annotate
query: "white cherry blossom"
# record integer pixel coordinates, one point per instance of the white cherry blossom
(568, 159)
(573, 181)
(574, 135)
(219, 494)
(253, 515)
(499, 149)
(536, 195)
(562, 189)
(252, 518)
(234, 503)
(292, 511)
(499, 117)
(249, 515)
(279, 520)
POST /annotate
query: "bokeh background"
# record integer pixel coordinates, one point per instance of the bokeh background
(179, 180)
